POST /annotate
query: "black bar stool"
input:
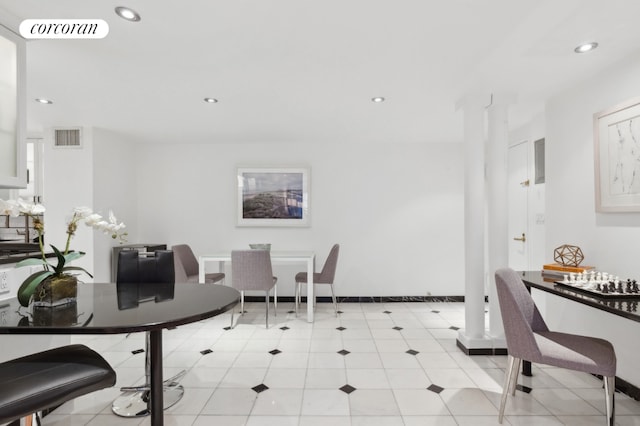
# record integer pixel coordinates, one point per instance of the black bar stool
(50, 378)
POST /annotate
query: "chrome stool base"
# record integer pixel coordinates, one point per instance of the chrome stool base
(136, 404)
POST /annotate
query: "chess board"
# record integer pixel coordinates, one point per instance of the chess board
(624, 289)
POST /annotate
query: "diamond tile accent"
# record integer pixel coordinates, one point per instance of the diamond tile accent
(397, 328)
(386, 312)
(291, 312)
(454, 328)
(227, 328)
(347, 389)
(436, 312)
(435, 388)
(275, 352)
(412, 352)
(285, 328)
(137, 351)
(260, 388)
(340, 312)
(340, 328)
(525, 389)
(206, 351)
(344, 352)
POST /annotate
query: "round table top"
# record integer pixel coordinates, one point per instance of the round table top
(103, 308)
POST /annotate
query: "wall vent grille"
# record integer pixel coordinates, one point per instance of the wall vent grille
(67, 138)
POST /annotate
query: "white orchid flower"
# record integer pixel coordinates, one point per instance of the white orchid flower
(9, 207)
(82, 212)
(30, 208)
(92, 219)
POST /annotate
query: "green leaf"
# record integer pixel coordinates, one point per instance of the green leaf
(29, 285)
(30, 262)
(76, 268)
(61, 260)
(73, 256)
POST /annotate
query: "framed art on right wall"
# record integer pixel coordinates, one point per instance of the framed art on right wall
(617, 158)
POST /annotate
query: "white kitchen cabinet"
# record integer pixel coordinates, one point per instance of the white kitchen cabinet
(13, 171)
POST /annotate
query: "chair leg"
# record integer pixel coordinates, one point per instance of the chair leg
(609, 393)
(275, 300)
(266, 302)
(514, 380)
(509, 377)
(242, 302)
(298, 297)
(333, 297)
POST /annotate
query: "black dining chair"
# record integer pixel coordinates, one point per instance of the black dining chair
(47, 379)
(140, 279)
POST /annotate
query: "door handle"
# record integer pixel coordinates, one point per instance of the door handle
(523, 238)
(525, 183)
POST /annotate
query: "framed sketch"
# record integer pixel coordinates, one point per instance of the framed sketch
(273, 196)
(617, 158)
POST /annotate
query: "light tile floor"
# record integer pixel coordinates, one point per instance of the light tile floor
(378, 364)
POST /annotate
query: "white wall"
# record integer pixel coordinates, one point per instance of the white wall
(610, 241)
(115, 188)
(396, 209)
(68, 183)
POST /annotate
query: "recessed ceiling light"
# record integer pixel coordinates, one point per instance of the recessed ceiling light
(211, 100)
(586, 47)
(128, 14)
(377, 99)
(44, 101)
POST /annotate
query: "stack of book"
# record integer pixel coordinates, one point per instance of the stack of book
(558, 271)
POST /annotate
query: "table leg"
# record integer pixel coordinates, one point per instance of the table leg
(157, 386)
(310, 295)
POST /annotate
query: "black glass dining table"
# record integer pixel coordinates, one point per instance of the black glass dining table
(109, 308)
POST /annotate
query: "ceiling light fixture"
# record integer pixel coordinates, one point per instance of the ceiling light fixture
(128, 14)
(377, 99)
(586, 47)
(211, 100)
(44, 101)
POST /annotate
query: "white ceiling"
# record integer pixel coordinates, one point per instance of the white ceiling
(306, 70)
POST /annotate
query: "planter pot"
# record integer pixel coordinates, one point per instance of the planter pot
(55, 291)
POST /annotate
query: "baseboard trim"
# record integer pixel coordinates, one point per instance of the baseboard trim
(367, 299)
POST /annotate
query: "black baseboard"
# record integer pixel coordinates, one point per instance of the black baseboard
(366, 299)
(627, 388)
(480, 351)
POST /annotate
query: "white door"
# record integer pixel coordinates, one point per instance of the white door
(518, 188)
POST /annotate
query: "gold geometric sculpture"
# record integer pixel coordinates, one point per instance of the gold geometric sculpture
(568, 255)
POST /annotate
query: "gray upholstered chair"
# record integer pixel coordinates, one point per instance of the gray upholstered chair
(528, 338)
(251, 270)
(325, 276)
(44, 380)
(187, 268)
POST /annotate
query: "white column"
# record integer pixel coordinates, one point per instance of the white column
(497, 206)
(474, 206)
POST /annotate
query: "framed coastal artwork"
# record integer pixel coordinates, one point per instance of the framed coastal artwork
(273, 196)
(617, 158)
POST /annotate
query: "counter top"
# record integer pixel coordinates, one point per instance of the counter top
(15, 252)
